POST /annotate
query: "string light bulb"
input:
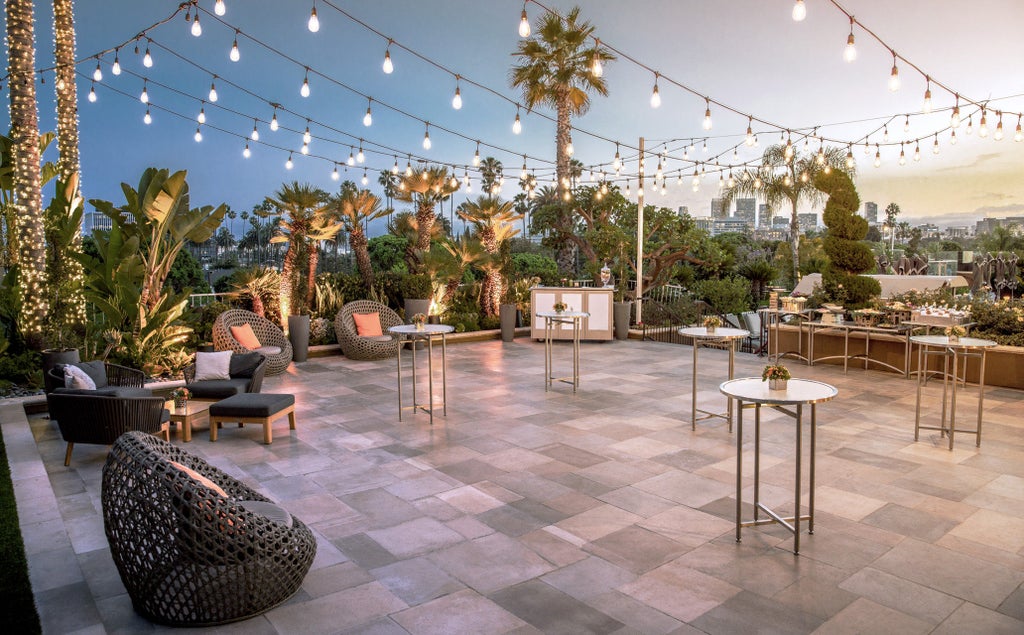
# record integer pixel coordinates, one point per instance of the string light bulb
(878, 156)
(115, 68)
(569, 149)
(197, 29)
(850, 162)
(787, 181)
(388, 66)
(903, 156)
(894, 76)
(351, 157)
(906, 124)
(245, 151)
(596, 67)
(926, 107)
(952, 137)
(408, 167)
(234, 55)
(314, 22)
(147, 118)
(917, 152)
(360, 156)
(617, 163)
(476, 156)
(213, 92)
(426, 137)
(457, 99)
(983, 125)
(201, 118)
(97, 74)
(365, 179)
(289, 164)
(655, 95)
(368, 117)
(517, 125)
(799, 11)
(954, 119)
(273, 121)
(306, 136)
(144, 95)
(147, 59)
(198, 136)
(524, 24)
(885, 134)
(707, 115)
(394, 168)
(334, 175)
(219, 8)
(255, 132)
(970, 124)
(850, 52)
(304, 91)
(92, 94)
(1018, 135)
(998, 136)
(935, 146)
(749, 141)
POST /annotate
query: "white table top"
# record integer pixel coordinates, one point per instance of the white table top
(798, 391)
(721, 333)
(943, 340)
(550, 315)
(428, 330)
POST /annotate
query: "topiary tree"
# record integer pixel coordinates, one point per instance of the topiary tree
(844, 242)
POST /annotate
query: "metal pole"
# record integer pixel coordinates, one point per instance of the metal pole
(640, 235)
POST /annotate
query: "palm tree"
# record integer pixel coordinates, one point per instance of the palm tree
(257, 283)
(464, 254)
(787, 176)
(66, 88)
(389, 181)
(304, 222)
(493, 220)
(556, 68)
(355, 208)
(21, 82)
(490, 173)
(892, 210)
(232, 214)
(426, 187)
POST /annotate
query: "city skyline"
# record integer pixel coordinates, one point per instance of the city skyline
(804, 83)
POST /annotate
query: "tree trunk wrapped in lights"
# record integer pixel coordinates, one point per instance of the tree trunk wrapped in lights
(27, 170)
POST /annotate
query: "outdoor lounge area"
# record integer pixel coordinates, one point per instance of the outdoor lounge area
(596, 512)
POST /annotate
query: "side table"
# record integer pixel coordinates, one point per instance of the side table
(552, 321)
(703, 338)
(429, 332)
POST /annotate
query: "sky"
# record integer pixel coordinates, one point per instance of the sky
(747, 54)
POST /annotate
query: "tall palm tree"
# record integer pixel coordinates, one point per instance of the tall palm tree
(490, 174)
(66, 88)
(556, 68)
(355, 208)
(28, 198)
(464, 253)
(389, 181)
(426, 187)
(304, 221)
(494, 221)
(787, 176)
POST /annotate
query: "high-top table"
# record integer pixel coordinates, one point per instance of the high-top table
(428, 333)
(553, 320)
(951, 352)
(752, 392)
(702, 338)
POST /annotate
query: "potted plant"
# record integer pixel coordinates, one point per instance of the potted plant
(776, 375)
(560, 307)
(420, 320)
(181, 396)
(711, 323)
(955, 332)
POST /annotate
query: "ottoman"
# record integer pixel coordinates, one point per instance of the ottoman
(259, 407)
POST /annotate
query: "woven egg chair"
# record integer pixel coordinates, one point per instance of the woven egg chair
(273, 343)
(356, 346)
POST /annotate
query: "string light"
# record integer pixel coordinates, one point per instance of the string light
(288, 164)
(304, 91)
(147, 59)
(92, 94)
(115, 68)
(314, 22)
(655, 95)
(885, 134)
(213, 92)
(1018, 135)
(569, 149)
(360, 157)
(365, 178)
(97, 74)
(273, 120)
(970, 124)
(426, 137)
(878, 156)
(903, 156)
(954, 119)
(983, 125)
(850, 162)
(894, 76)
(351, 157)
(304, 149)
(707, 115)
(749, 141)
(147, 118)
(617, 163)
(234, 55)
(198, 136)
(850, 52)
(524, 24)
(927, 106)
(952, 137)
(906, 124)
(394, 168)
(255, 133)
(935, 146)
(704, 147)
(368, 117)
(408, 166)
(596, 68)
(219, 8)
(201, 118)
(245, 151)
(306, 136)
(917, 152)
(799, 11)
(998, 136)
(144, 95)
(523, 173)
(197, 29)
(457, 99)
(334, 175)
(388, 66)
(517, 125)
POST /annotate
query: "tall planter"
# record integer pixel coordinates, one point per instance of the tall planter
(621, 314)
(414, 306)
(298, 335)
(52, 357)
(507, 315)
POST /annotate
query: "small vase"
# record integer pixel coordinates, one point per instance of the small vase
(710, 329)
(954, 339)
(419, 326)
(777, 384)
(180, 403)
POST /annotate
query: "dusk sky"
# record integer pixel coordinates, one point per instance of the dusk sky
(748, 54)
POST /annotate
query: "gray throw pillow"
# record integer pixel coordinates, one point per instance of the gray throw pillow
(96, 370)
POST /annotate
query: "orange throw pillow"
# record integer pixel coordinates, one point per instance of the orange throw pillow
(368, 324)
(199, 478)
(244, 336)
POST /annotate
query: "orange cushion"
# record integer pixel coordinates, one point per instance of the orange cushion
(244, 335)
(199, 478)
(368, 324)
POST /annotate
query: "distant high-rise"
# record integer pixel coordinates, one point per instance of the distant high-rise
(765, 214)
(718, 208)
(746, 210)
(683, 209)
(807, 221)
(871, 212)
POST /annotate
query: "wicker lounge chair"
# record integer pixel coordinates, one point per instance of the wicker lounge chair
(273, 343)
(187, 555)
(100, 417)
(357, 347)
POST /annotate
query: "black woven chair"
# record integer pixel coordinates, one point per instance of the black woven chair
(93, 417)
(246, 370)
(119, 376)
(187, 555)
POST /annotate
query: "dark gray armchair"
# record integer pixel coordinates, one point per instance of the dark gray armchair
(246, 371)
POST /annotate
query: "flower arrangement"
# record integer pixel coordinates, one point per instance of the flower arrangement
(560, 306)
(419, 319)
(181, 393)
(775, 372)
(955, 332)
(712, 321)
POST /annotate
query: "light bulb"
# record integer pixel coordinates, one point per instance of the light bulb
(749, 141)
(457, 99)
(906, 124)
(288, 164)
(255, 133)
(453, 183)
(517, 126)
(219, 8)
(617, 163)
(304, 91)
(707, 119)
(917, 152)
(147, 59)
(850, 52)
(850, 162)
(1018, 135)
(98, 73)
(799, 11)
(970, 124)
(368, 118)
(903, 156)
(408, 168)
(198, 136)
(894, 78)
(757, 183)
(426, 140)
(234, 55)
(804, 177)
(476, 157)
(663, 190)
(787, 181)
(306, 137)
(213, 92)
(998, 136)
(954, 119)
(704, 147)
(144, 95)
(596, 68)
(524, 24)
(360, 157)
(983, 126)
(394, 168)
(351, 158)
(388, 66)
(115, 68)
(201, 118)
(92, 94)
(721, 182)
(314, 22)
(952, 137)
(197, 29)
(304, 149)
(885, 134)
(273, 122)
(147, 118)
(246, 152)
(523, 172)
(365, 178)
(569, 150)
(927, 106)
(655, 96)
(334, 175)
(878, 157)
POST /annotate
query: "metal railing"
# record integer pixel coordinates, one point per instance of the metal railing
(197, 300)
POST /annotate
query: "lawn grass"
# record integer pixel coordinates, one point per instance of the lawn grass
(17, 605)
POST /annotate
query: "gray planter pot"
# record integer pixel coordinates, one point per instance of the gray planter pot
(298, 335)
(507, 314)
(52, 357)
(414, 306)
(621, 314)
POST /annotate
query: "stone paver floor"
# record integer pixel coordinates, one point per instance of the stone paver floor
(597, 512)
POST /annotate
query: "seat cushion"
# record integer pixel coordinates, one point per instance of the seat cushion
(244, 364)
(245, 336)
(218, 388)
(108, 391)
(269, 351)
(268, 510)
(379, 338)
(367, 324)
(252, 404)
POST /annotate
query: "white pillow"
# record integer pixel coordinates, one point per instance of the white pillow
(213, 366)
(75, 377)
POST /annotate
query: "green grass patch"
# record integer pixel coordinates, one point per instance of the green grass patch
(17, 605)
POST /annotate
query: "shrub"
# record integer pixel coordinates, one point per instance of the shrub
(321, 331)
(387, 253)
(726, 295)
(535, 265)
